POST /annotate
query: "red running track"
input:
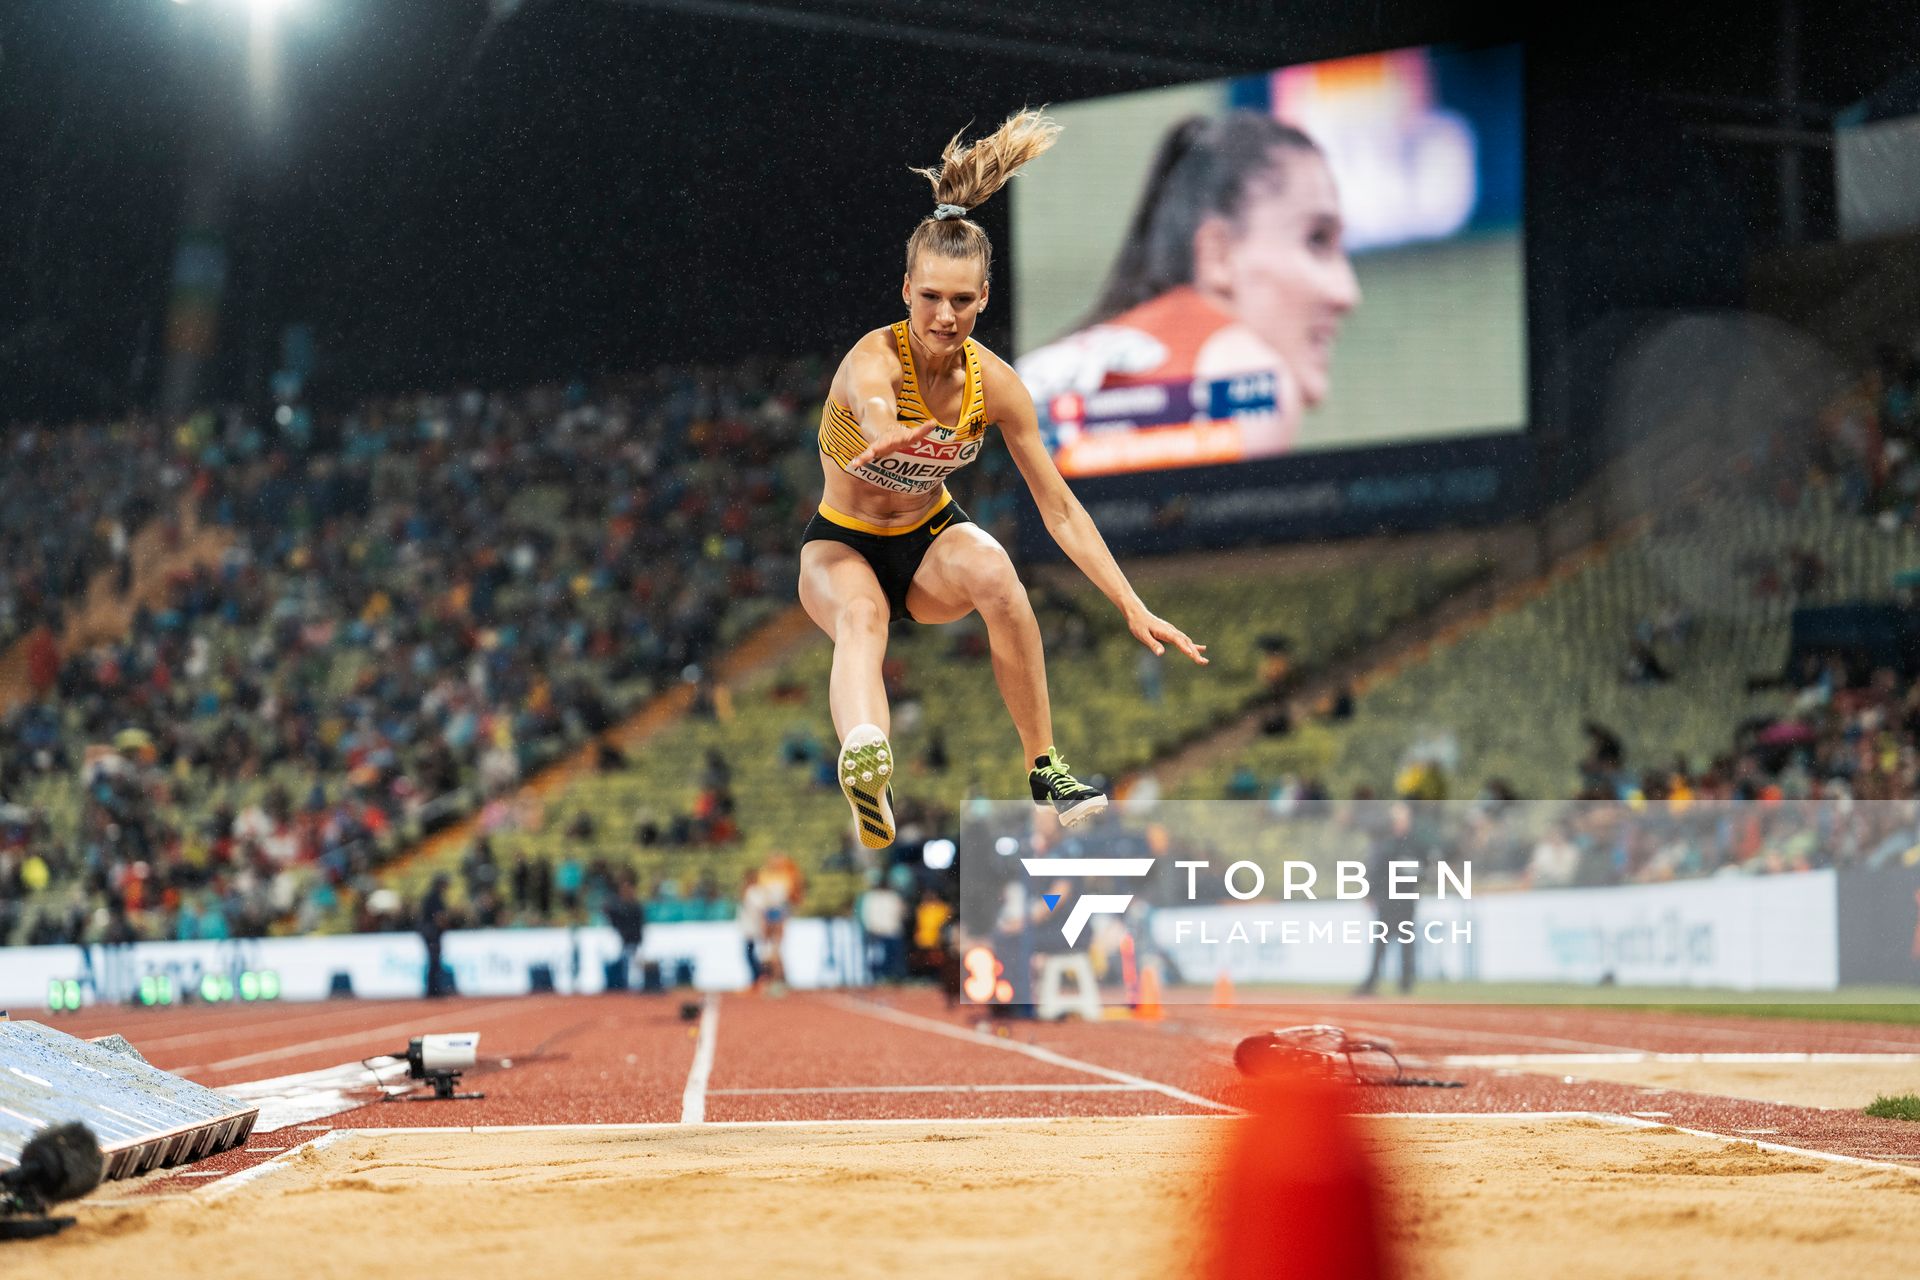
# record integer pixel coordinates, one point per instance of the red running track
(904, 1055)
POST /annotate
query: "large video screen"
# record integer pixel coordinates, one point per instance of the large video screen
(1322, 257)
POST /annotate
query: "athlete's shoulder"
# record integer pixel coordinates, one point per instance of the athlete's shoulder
(872, 360)
(1004, 398)
(879, 341)
(996, 374)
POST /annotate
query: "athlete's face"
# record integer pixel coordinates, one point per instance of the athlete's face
(1280, 267)
(944, 296)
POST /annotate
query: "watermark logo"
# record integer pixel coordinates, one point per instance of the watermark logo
(1086, 906)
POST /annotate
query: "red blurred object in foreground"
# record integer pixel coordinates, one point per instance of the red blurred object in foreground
(1298, 1196)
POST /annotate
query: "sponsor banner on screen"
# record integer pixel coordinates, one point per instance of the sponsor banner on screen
(1459, 484)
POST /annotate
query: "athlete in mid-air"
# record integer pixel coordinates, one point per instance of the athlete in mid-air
(910, 405)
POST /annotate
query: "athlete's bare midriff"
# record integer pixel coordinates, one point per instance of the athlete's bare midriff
(872, 504)
(943, 395)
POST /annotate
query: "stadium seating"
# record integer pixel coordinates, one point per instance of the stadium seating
(1712, 586)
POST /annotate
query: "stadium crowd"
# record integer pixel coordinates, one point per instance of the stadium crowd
(396, 633)
(71, 500)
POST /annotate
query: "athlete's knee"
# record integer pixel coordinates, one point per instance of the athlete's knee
(861, 615)
(995, 588)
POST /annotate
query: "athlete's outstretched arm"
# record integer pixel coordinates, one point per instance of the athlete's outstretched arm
(876, 403)
(1065, 518)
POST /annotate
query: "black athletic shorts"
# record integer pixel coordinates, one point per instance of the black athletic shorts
(894, 555)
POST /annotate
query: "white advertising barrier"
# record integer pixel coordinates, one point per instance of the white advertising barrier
(1744, 933)
(1741, 933)
(485, 962)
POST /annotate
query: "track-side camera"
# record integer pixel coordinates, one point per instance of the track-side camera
(438, 1061)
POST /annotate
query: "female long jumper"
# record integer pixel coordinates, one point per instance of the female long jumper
(910, 405)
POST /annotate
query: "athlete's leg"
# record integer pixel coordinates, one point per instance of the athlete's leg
(841, 595)
(967, 570)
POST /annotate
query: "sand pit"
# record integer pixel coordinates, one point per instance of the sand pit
(1850, 1085)
(1087, 1197)
(1580, 1198)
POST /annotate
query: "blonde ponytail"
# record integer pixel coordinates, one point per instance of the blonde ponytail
(967, 175)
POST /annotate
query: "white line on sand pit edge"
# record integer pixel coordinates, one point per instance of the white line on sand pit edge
(693, 1100)
(804, 1090)
(1035, 1052)
(1831, 1157)
(247, 1176)
(1476, 1115)
(233, 1182)
(863, 1122)
(1635, 1122)
(1619, 1059)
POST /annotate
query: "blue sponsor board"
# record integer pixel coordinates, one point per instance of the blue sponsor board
(1405, 489)
(1160, 404)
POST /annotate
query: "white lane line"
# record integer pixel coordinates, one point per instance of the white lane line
(693, 1099)
(1401, 1026)
(1399, 1030)
(870, 1122)
(1477, 1115)
(1780, 1147)
(1614, 1059)
(1035, 1052)
(421, 1023)
(1712, 1028)
(803, 1090)
(333, 1012)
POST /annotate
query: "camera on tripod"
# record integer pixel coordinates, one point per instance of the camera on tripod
(439, 1061)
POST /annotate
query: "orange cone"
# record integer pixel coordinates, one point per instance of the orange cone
(1298, 1197)
(1223, 991)
(1148, 1009)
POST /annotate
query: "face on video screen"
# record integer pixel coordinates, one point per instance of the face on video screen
(1322, 257)
(1280, 267)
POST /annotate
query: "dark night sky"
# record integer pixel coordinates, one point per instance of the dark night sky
(601, 184)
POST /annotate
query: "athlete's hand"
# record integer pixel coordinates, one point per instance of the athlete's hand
(892, 439)
(1157, 633)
